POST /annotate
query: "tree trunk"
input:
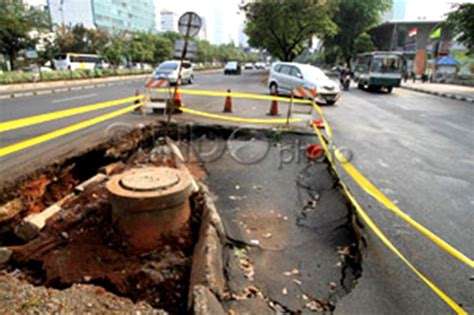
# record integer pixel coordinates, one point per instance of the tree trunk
(348, 61)
(11, 56)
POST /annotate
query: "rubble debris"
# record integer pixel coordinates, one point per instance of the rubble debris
(5, 254)
(95, 179)
(112, 168)
(20, 297)
(10, 209)
(35, 222)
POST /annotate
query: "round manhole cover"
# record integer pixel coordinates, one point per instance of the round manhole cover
(150, 180)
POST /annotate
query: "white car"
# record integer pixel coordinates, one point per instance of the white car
(248, 66)
(286, 76)
(168, 70)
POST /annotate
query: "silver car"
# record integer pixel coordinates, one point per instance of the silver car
(168, 70)
(286, 76)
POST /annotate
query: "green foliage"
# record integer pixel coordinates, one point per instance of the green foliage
(284, 27)
(16, 23)
(363, 43)
(353, 18)
(462, 21)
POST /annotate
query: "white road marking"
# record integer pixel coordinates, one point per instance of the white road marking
(79, 97)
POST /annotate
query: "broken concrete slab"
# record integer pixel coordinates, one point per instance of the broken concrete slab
(10, 209)
(99, 177)
(30, 226)
(5, 254)
(110, 168)
(205, 302)
(207, 268)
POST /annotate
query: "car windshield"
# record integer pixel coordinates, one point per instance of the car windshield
(232, 64)
(168, 66)
(313, 73)
(386, 64)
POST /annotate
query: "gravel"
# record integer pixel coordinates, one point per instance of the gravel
(20, 297)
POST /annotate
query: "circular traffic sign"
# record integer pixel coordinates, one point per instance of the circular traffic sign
(189, 24)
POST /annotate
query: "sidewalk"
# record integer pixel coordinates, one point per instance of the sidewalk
(458, 92)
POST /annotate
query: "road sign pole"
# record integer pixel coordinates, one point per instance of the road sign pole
(171, 105)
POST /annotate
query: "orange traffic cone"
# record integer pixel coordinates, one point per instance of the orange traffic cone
(176, 103)
(274, 108)
(228, 103)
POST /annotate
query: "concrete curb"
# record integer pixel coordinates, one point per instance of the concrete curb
(446, 95)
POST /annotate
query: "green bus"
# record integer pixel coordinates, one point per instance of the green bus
(378, 70)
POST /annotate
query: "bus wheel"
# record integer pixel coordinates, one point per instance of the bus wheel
(389, 89)
(360, 85)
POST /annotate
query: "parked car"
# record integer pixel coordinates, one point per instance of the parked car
(286, 76)
(260, 65)
(232, 67)
(248, 66)
(169, 70)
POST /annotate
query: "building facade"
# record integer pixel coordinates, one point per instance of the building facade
(111, 15)
(169, 21)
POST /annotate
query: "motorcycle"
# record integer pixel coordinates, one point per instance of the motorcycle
(346, 81)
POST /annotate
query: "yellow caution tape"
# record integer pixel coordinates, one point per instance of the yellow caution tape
(33, 120)
(239, 119)
(64, 131)
(381, 235)
(234, 94)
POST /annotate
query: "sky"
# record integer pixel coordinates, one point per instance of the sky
(223, 18)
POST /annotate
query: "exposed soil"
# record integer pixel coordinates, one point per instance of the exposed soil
(80, 245)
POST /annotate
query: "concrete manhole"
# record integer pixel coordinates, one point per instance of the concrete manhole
(150, 205)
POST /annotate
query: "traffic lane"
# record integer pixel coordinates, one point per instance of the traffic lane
(426, 139)
(382, 133)
(21, 134)
(35, 105)
(11, 109)
(250, 81)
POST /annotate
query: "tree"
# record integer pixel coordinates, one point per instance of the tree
(163, 48)
(363, 43)
(80, 39)
(16, 23)
(115, 52)
(353, 18)
(283, 27)
(462, 22)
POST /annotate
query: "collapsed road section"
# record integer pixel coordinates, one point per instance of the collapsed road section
(133, 222)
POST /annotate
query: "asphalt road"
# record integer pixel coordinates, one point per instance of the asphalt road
(418, 149)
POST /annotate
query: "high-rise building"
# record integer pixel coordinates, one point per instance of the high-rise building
(111, 15)
(169, 21)
(203, 31)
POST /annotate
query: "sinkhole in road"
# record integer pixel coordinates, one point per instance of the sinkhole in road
(291, 237)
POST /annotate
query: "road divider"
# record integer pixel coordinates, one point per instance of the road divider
(64, 131)
(33, 120)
